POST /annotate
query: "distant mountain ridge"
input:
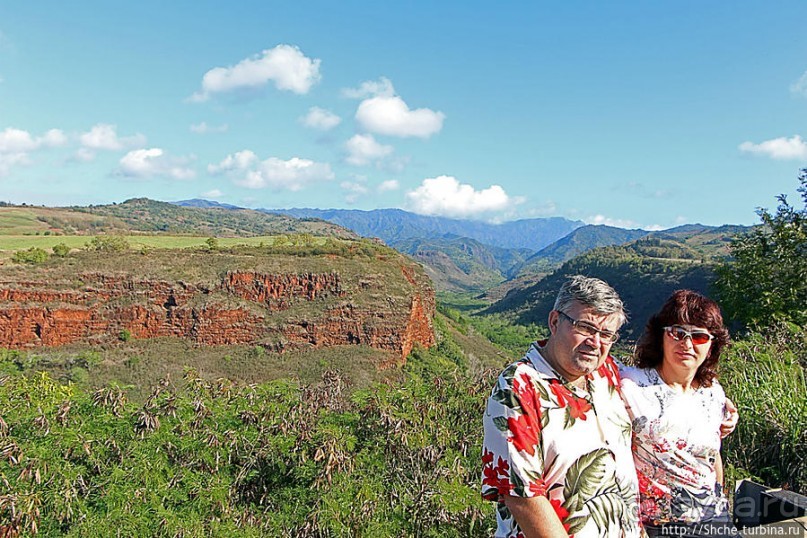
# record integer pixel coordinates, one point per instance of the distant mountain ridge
(393, 225)
(577, 242)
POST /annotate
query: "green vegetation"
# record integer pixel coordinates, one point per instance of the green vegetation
(642, 281)
(149, 216)
(33, 256)
(60, 250)
(764, 374)
(108, 243)
(767, 280)
(276, 459)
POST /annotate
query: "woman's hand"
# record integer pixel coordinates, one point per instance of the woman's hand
(730, 418)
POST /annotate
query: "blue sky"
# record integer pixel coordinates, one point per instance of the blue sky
(635, 114)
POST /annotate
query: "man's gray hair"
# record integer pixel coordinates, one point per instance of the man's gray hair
(593, 293)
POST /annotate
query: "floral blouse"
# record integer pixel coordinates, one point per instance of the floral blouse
(546, 437)
(676, 438)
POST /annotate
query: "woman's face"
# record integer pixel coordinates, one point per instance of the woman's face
(680, 352)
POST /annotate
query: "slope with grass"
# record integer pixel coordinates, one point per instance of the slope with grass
(149, 216)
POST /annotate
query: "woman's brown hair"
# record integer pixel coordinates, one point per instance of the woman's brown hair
(684, 307)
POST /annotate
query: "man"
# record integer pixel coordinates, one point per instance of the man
(556, 455)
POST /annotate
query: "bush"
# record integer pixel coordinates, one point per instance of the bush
(108, 243)
(33, 256)
(61, 250)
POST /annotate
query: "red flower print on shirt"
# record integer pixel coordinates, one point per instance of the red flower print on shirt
(561, 512)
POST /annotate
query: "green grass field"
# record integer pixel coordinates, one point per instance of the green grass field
(12, 243)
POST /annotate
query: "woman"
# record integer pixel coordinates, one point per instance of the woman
(677, 406)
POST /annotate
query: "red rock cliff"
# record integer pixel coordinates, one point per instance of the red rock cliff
(242, 308)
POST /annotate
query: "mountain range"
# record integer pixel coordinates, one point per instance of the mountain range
(468, 255)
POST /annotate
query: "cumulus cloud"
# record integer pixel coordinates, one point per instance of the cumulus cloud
(617, 223)
(17, 144)
(364, 149)
(154, 162)
(392, 116)
(353, 190)
(371, 88)
(19, 141)
(389, 185)
(446, 196)
(800, 86)
(215, 193)
(383, 112)
(204, 128)
(285, 66)
(104, 137)
(245, 169)
(778, 148)
(321, 119)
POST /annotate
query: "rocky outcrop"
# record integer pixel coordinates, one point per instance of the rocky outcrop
(243, 307)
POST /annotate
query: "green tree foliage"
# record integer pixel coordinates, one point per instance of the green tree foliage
(33, 255)
(61, 250)
(768, 277)
(212, 243)
(108, 243)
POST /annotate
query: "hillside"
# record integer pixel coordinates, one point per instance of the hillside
(461, 264)
(577, 242)
(150, 216)
(644, 273)
(280, 299)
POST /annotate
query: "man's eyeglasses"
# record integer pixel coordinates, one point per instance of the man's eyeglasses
(586, 329)
(678, 333)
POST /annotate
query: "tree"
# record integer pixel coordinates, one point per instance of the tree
(61, 250)
(767, 279)
(33, 256)
(108, 243)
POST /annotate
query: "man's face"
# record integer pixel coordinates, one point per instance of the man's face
(574, 353)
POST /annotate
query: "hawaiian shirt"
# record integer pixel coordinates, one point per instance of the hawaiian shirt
(546, 437)
(676, 437)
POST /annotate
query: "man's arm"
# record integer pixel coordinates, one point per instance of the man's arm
(535, 516)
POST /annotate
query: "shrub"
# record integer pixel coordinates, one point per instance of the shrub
(33, 255)
(108, 243)
(61, 250)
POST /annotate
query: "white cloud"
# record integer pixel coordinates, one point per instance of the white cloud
(800, 86)
(446, 196)
(239, 161)
(371, 88)
(778, 148)
(19, 141)
(353, 190)
(204, 128)
(364, 149)
(285, 65)
(391, 116)
(84, 155)
(104, 137)
(617, 223)
(16, 144)
(246, 170)
(321, 119)
(154, 162)
(215, 193)
(389, 185)
(10, 160)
